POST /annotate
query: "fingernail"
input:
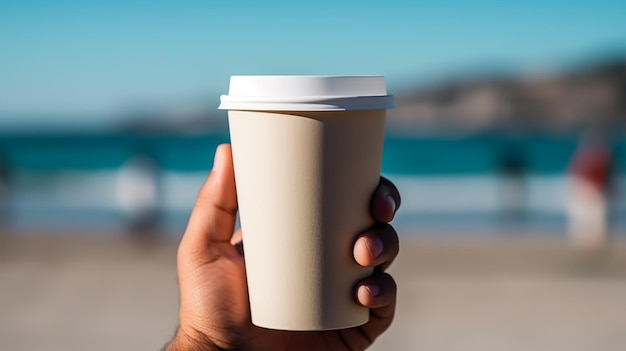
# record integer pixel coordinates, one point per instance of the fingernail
(217, 160)
(391, 202)
(374, 289)
(375, 246)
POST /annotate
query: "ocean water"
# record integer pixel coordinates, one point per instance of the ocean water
(469, 184)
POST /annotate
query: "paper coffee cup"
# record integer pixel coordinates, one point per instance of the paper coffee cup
(307, 154)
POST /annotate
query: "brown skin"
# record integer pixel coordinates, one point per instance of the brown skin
(214, 309)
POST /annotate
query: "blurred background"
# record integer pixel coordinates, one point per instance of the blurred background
(507, 144)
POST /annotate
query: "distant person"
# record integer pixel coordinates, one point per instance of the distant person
(138, 193)
(512, 169)
(4, 191)
(214, 310)
(590, 188)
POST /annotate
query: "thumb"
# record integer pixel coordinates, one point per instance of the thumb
(214, 214)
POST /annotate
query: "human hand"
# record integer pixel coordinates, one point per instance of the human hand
(214, 307)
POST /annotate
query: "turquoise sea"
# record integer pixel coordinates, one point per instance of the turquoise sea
(472, 183)
(425, 155)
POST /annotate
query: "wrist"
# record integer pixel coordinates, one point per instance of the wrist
(185, 342)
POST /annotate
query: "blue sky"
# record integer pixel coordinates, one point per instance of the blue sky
(98, 57)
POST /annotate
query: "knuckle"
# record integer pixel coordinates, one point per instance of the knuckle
(391, 283)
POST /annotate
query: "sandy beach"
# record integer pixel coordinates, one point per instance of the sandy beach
(64, 292)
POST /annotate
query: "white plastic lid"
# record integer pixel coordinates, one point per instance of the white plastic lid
(306, 93)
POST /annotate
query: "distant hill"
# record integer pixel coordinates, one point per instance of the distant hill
(585, 96)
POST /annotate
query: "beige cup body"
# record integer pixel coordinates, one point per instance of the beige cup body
(304, 184)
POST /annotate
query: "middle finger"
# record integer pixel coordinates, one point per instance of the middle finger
(378, 246)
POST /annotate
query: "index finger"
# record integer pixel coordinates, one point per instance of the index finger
(385, 201)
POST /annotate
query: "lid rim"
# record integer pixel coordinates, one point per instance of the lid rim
(306, 103)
